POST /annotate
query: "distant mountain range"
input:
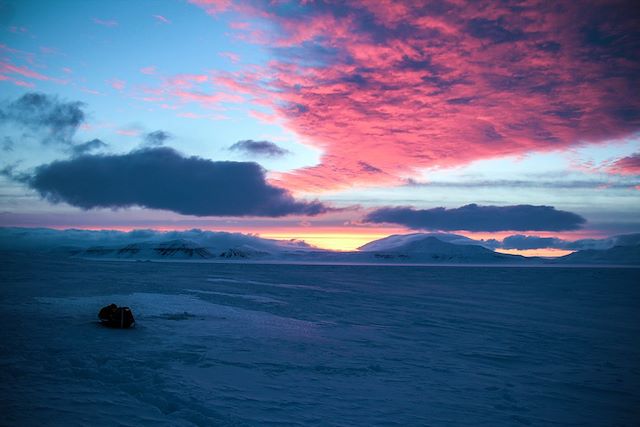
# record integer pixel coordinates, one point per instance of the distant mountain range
(423, 249)
(618, 255)
(416, 248)
(455, 248)
(431, 249)
(173, 249)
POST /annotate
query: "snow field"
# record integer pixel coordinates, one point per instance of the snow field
(232, 344)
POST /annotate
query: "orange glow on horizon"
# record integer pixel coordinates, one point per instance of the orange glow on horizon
(332, 241)
(546, 252)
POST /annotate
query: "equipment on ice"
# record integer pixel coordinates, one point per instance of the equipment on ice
(116, 317)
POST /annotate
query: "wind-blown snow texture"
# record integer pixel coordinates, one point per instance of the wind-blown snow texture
(234, 344)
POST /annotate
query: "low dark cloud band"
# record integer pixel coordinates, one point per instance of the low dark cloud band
(479, 218)
(519, 241)
(161, 178)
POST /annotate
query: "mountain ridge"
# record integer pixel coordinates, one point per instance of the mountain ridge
(415, 248)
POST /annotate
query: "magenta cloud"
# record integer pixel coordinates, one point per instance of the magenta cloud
(629, 165)
(405, 86)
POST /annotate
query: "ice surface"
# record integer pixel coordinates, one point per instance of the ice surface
(233, 344)
(258, 298)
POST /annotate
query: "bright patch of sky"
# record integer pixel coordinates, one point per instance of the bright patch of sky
(118, 63)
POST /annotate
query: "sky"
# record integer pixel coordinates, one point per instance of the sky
(332, 122)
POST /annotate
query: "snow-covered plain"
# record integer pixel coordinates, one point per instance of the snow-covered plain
(251, 344)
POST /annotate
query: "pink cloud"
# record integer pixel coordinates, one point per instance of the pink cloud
(90, 91)
(388, 89)
(207, 100)
(117, 84)
(19, 55)
(235, 84)
(233, 57)
(629, 165)
(161, 19)
(187, 80)
(151, 99)
(192, 88)
(16, 82)
(263, 117)
(128, 132)
(239, 25)
(148, 70)
(191, 115)
(105, 22)
(6, 67)
(18, 30)
(213, 7)
(48, 50)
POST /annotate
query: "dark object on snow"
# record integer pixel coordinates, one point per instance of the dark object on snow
(116, 317)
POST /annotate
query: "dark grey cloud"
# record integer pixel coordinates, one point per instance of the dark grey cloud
(58, 120)
(161, 178)
(156, 138)
(627, 240)
(520, 241)
(260, 148)
(479, 218)
(86, 147)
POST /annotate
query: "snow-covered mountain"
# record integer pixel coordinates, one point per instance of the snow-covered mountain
(49, 240)
(398, 240)
(416, 248)
(173, 249)
(243, 252)
(429, 248)
(628, 255)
